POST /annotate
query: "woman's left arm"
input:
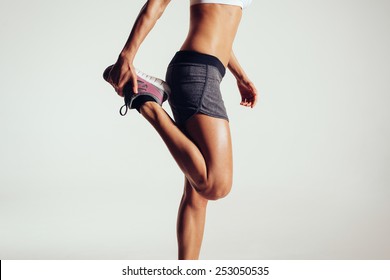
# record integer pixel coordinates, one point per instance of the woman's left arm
(247, 89)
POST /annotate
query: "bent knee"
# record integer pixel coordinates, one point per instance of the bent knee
(195, 200)
(217, 190)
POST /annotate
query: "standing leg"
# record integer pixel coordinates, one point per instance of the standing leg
(190, 223)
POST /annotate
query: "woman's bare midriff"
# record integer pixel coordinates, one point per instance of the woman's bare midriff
(213, 28)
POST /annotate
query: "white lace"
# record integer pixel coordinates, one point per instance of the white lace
(154, 81)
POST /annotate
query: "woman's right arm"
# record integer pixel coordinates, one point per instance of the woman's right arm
(123, 70)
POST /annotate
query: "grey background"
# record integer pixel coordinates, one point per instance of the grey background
(311, 178)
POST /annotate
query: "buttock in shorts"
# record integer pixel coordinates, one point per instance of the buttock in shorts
(194, 79)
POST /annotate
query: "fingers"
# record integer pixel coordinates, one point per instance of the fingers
(248, 102)
(135, 83)
(249, 99)
(254, 101)
(121, 76)
(244, 102)
(255, 96)
(248, 93)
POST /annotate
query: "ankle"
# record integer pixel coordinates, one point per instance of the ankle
(140, 100)
(149, 109)
(149, 105)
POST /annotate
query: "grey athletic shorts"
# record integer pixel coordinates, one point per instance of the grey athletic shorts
(194, 79)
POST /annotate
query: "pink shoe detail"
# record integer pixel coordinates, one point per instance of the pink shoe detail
(148, 85)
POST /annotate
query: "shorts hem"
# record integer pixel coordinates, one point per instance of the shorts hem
(182, 123)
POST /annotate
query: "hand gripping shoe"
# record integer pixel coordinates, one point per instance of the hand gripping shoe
(149, 89)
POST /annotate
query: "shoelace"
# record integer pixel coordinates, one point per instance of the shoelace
(142, 87)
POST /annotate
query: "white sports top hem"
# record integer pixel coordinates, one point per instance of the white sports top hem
(241, 3)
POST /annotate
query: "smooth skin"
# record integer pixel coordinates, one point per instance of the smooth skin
(203, 147)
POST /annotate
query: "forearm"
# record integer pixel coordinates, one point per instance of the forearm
(235, 68)
(247, 89)
(147, 18)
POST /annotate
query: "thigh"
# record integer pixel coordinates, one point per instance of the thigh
(213, 138)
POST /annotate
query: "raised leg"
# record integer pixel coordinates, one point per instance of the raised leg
(203, 153)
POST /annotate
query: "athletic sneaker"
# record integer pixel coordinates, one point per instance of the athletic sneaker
(149, 89)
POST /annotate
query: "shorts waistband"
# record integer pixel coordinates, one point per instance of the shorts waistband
(196, 57)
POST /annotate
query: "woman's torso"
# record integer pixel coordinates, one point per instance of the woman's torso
(213, 28)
